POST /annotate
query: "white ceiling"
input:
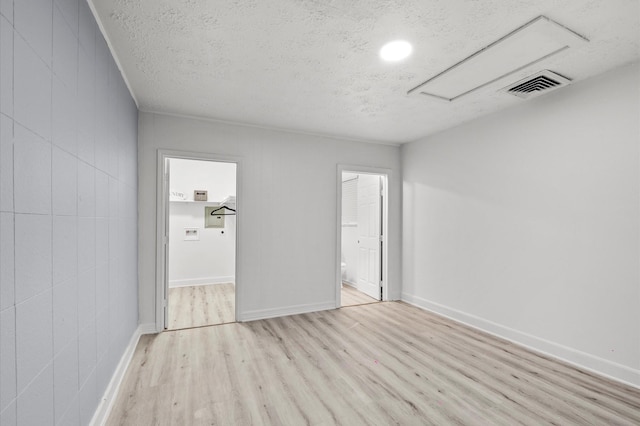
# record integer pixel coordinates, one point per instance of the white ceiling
(313, 65)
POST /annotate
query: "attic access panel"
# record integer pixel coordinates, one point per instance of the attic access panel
(533, 42)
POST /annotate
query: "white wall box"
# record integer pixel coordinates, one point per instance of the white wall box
(191, 234)
(200, 195)
(213, 220)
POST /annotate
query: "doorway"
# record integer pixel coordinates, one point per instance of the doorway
(200, 232)
(362, 228)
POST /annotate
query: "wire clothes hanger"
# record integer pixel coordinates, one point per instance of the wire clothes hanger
(213, 212)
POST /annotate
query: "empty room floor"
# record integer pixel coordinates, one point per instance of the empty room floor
(374, 364)
(196, 306)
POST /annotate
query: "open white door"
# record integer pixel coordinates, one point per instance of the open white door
(369, 231)
(165, 241)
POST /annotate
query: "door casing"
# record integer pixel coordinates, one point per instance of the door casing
(162, 221)
(385, 173)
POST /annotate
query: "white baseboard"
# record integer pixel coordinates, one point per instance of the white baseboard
(583, 360)
(285, 311)
(349, 283)
(106, 402)
(201, 281)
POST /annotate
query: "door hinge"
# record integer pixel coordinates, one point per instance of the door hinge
(165, 240)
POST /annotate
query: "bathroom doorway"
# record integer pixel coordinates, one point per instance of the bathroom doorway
(200, 250)
(362, 231)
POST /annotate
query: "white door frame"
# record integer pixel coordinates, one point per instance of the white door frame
(385, 173)
(162, 203)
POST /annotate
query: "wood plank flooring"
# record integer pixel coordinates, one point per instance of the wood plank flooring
(351, 297)
(376, 364)
(195, 306)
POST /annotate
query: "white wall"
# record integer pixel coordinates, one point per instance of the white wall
(219, 179)
(287, 189)
(211, 259)
(525, 223)
(68, 196)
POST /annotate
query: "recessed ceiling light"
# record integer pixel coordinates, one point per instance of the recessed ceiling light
(396, 50)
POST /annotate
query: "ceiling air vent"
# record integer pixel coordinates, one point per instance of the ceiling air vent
(537, 84)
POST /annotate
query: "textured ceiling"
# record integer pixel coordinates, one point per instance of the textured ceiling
(313, 65)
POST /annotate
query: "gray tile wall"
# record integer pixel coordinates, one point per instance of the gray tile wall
(68, 213)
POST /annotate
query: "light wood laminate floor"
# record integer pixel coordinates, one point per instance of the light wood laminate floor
(376, 364)
(351, 297)
(195, 306)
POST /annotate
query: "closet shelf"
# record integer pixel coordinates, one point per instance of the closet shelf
(196, 202)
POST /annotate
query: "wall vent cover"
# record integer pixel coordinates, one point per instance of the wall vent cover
(537, 84)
